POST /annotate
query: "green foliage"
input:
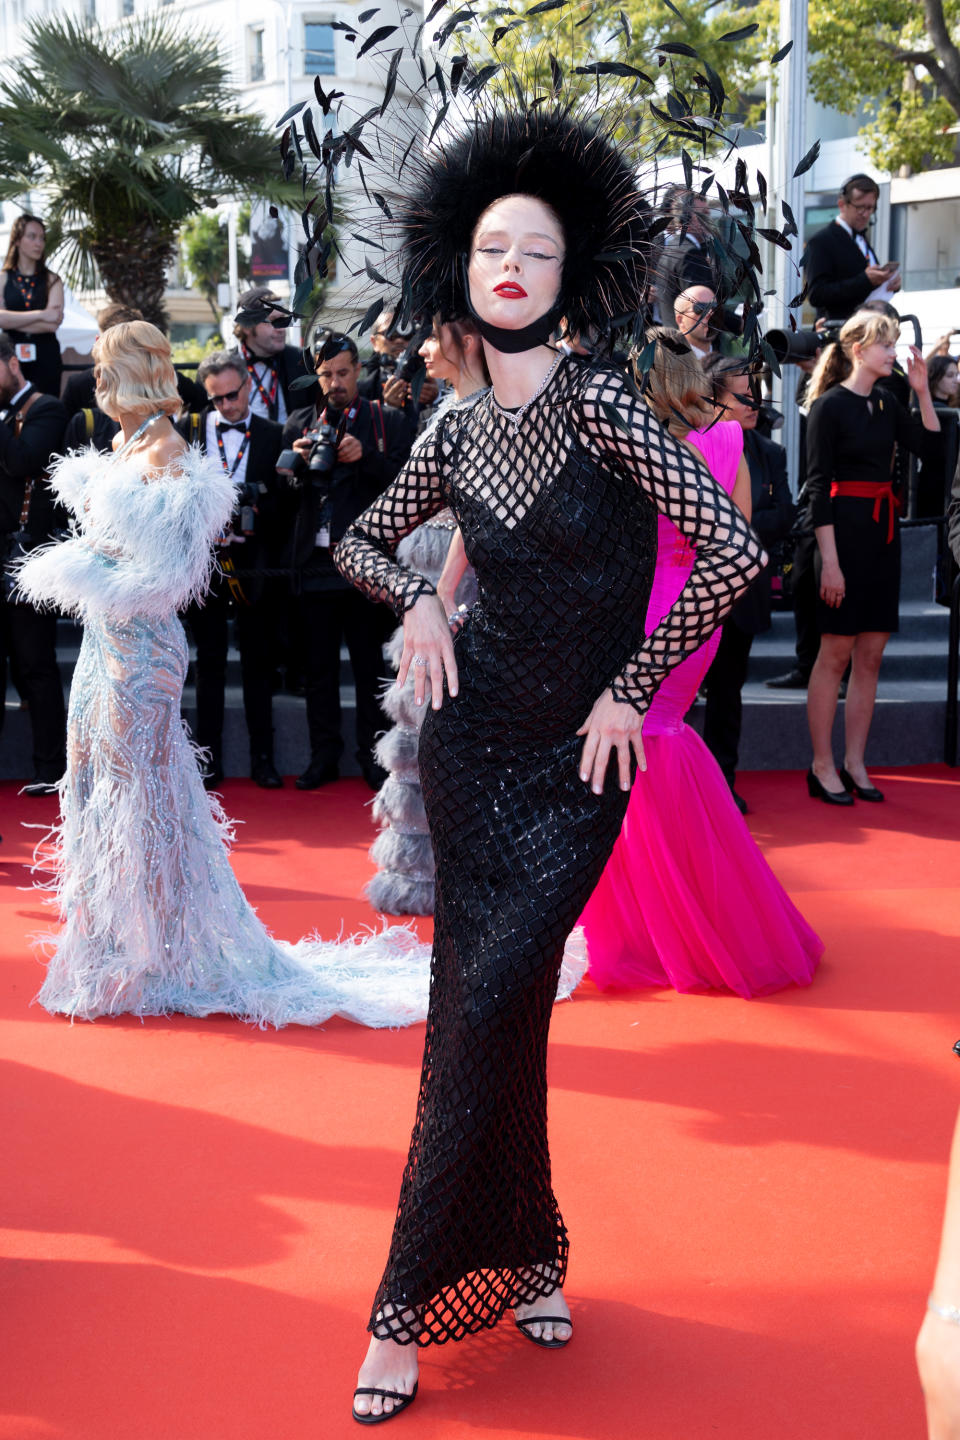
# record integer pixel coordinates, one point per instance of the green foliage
(126, 133)
(635, 32)
(204, 246)
(191, 352)
(866, 52)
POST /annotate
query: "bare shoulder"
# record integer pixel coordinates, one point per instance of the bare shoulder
(164, 454)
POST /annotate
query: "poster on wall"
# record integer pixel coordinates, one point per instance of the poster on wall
(268, 245)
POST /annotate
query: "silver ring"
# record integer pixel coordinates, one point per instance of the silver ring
(419, 660)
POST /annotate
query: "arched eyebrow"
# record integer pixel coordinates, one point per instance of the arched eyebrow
(527, 235)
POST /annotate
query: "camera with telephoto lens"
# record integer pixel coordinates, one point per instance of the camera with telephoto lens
(791, 347)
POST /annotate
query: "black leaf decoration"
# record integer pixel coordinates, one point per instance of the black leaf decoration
(556, 74)
(776, 237)
(543, 7)
(797, 300)
(613, 67)
(743, 33)
(670, 6)
(645, 359)
(434, 10)
(791, 227)
(458, 65)
(687, 169)
(677, 47)
(370, 315)
(366, 15)
(367, 240)
(808, 160)
(781, 53)
(479, 79)
(289, 114)
(342, 25)
(374, 273)
(391, 81)
(762, 190)
(379, 35)
(625, 27)
(438, 121)
(383, 205)
(614, 416)
(768, 355)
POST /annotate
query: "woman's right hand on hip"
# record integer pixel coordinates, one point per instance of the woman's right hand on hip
(428, 647)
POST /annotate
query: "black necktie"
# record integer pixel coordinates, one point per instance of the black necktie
(238, 426)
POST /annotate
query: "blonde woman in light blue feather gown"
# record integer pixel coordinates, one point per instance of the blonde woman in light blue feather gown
(152, 919)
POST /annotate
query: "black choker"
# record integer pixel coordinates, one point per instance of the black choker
(512, 342)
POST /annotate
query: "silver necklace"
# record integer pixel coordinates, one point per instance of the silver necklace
(515, 416)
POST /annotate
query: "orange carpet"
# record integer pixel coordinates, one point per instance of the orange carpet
(195, 1213)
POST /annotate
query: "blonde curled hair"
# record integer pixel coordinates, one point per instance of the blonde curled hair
(675, 386)
(134, 370)
(865, 327)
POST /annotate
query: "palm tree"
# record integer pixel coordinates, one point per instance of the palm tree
(125, 133)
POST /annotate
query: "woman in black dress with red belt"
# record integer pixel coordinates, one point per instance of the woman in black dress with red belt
(31, 305)
(852, 429)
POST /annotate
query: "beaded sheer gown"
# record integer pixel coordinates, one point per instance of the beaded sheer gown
(153, 919)
(557, 503)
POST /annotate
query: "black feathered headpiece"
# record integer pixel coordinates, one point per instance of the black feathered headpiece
(574, 166)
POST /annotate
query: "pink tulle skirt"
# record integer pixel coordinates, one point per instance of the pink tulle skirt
(687, 899)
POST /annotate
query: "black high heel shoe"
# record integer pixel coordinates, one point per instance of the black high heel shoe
(829, 797)
(862, 792)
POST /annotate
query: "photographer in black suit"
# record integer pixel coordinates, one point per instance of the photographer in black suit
(31, 431)
(344, 454)
(248, 447)
(842, 268)
(261, 331)
(772, 517)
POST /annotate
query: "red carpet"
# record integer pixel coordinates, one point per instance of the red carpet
(196, 1212)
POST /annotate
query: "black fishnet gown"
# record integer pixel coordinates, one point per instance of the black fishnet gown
(563, 540)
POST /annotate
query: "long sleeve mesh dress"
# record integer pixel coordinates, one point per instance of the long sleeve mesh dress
(557, 504)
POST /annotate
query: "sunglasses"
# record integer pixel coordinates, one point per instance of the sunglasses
(230, 396)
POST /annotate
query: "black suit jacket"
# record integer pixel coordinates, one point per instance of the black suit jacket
(835, 269)
(683, 263)
(79, 393)
(772, 518)
(261, 549)
(350, 490)
(953, 518)
(290, 367)
(26, 457)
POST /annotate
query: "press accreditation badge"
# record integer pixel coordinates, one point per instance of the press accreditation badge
(323, 537)
(26, 354)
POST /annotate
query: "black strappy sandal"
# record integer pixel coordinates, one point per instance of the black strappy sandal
(402, 1402)
(544, 1320)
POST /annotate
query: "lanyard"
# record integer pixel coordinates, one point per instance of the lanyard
(347, 416)
(270, 400)
(228, 470)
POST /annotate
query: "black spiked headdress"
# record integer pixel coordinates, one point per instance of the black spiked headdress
(575, 166)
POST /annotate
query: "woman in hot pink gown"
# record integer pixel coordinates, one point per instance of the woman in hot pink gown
(686, 899)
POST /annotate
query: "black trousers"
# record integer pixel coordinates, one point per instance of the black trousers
(330, 617)
(209, 624)
(805, 590)
(723, 716)
(29, 640)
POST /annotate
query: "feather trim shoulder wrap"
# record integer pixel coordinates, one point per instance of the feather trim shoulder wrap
(142, 547)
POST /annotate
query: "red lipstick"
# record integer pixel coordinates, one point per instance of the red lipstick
(510, 290)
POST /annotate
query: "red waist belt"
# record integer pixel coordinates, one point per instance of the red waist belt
(868, 490)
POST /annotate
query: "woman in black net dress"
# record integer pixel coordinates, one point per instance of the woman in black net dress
(555, 476)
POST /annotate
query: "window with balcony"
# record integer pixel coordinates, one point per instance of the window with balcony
(318, 48)
(256, 69)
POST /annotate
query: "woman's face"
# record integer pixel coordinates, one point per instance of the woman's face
(946, 387)
(516, 262)
(735, 402)
(32, 242)
(436, 351)
(877, 358)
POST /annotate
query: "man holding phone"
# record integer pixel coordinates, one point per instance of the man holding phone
(842, 267)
